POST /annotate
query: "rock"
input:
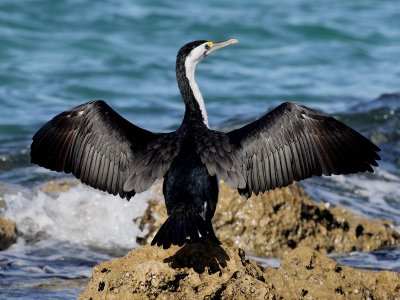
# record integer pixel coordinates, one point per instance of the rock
(308, 274)
(202, 271)
(55, 187)
(208, 271)
(8, 233)
(273, 223)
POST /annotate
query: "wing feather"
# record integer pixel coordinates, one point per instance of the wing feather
(292, 142)
(103, 149)
(288, 161)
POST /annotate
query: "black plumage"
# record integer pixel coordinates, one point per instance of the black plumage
(288, 144)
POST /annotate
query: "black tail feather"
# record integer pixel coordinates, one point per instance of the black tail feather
(181, 228)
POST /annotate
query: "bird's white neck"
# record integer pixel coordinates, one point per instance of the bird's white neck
(190, 67)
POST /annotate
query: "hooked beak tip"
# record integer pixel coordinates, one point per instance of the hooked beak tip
(234, 41)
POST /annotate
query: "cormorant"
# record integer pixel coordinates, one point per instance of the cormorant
(290, 143)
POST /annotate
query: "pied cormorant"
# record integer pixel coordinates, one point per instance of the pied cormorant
(107, 152)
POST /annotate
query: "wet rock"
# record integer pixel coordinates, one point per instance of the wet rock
(60, 284)
(202, 271)
(207, 271)
(8, 233)
(55, 187)
(273, 223)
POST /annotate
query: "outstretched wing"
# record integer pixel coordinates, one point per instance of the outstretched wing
(104, 150)
(292, 143)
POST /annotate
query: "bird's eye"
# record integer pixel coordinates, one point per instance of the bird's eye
(207, 46)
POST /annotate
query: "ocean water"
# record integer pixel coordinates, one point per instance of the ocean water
(336, 56)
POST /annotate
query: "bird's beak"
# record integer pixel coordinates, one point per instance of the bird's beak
(216, 46)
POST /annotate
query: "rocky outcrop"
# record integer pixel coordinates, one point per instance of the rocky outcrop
(8, 233)
(308, 274)
(208, 271)
(192, 272)
(273, 223)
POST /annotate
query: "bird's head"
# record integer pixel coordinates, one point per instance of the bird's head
(186, 61)
(192, 53)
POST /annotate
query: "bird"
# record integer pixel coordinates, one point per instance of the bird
(289, 143)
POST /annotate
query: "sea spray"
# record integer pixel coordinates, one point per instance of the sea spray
(374, 195)
(81, 215)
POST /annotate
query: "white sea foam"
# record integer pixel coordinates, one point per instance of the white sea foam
(375, 195)
(377, 260)
(80, 215)
(376, 188)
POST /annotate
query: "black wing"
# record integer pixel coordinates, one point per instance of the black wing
(103, 149)
(292, 143)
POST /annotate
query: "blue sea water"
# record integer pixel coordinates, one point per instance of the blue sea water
(336, 56)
